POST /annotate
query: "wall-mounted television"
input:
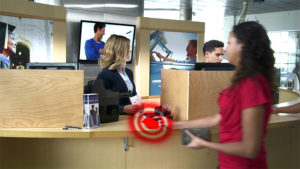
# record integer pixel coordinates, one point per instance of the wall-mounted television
(87, 32)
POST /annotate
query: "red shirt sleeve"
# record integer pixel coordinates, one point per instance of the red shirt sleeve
(253, 92)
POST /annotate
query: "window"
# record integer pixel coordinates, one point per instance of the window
(287, 54)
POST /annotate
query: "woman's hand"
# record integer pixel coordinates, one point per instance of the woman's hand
(196, 142)
(275, 110)
(131, 108)
(176, 125)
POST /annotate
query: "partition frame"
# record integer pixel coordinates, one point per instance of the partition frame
(144, 26)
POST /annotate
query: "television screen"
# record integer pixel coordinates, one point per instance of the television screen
(87, 32)
(214, 66)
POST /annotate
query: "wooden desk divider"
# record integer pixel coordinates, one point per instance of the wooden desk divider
(41, 98)
(193, 94)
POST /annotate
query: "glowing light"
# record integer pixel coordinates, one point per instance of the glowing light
(102, 6)
(149, 124)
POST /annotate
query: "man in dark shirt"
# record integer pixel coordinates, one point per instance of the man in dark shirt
(213, 51)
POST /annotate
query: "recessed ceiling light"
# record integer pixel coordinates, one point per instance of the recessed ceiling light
(102, 6)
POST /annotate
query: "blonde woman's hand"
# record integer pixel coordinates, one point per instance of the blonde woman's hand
(131, 108)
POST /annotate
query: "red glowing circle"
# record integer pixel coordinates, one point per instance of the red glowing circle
(144, 130)
(150, 125)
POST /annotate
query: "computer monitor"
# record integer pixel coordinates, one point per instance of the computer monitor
(214, 66)
(53, 66)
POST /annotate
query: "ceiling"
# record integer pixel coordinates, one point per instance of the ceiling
(230, 7)
(266, 6)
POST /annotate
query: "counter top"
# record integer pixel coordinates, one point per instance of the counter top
(118, 129)
(296, 92)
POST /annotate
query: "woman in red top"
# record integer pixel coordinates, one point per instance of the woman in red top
(245, 106)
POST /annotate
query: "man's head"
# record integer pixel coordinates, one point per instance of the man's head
(7, 39)
(213, 51)
(191, 49)
(99, 30)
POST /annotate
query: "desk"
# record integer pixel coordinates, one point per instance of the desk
(104, 148)
(118, 129)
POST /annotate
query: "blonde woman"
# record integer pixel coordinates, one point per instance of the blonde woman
(115, 75)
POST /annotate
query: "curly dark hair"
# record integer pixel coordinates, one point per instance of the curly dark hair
(257, 57)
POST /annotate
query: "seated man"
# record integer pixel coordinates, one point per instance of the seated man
(213, 51)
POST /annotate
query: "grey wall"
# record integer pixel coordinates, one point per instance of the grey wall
(73, 36)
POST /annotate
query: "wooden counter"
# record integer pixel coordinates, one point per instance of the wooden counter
(104, 147)
(54, 148)
(117, 129)
(287, 95)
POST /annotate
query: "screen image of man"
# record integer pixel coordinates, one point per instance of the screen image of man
(94, 47)
(7, 44)
(191, 54)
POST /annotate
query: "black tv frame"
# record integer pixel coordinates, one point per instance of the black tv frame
(52, 66)
(96, 61)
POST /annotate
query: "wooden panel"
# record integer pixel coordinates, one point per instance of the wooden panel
(297, 146)
(169, 155)
(32, 10)
(204, 89)
(18, 153)
(117, 129)
(143, 71)
(170, 25)
(200, 44)
(283, 147)
(41, 98)
(59, 42)
(174, 92)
